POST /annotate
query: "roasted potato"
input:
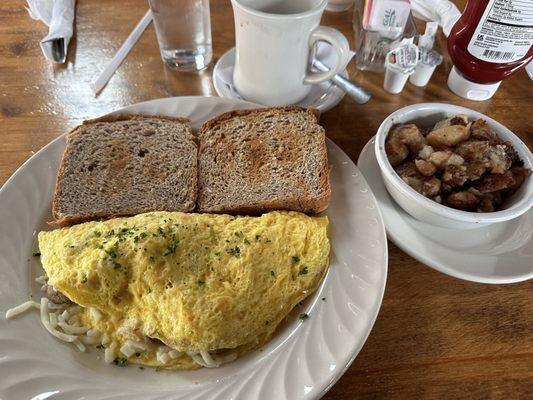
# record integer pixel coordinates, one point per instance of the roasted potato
(448, 136)
(464, 200)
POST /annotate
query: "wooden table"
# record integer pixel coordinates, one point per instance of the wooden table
(436, 336)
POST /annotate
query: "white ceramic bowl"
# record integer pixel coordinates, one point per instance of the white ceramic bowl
(429, 211)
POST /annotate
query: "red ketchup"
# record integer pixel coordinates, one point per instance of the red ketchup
(492, 40)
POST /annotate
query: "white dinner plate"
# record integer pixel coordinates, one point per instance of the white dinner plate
(303, 359)
(323, 96)
(497, 253)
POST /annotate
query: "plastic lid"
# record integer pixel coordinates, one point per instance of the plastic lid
(468, 89)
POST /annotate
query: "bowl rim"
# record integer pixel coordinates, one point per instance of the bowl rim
(522, 204)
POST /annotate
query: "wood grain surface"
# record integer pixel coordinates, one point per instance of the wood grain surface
(436, 337)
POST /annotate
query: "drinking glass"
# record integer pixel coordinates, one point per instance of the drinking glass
(183, 29)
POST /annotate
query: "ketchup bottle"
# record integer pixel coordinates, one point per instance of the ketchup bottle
(491, 41)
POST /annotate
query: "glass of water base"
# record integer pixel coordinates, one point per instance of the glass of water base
(183, 29)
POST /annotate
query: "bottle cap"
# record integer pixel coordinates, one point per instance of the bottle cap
(468, 89)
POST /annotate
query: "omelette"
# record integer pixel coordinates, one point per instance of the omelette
(181, 291)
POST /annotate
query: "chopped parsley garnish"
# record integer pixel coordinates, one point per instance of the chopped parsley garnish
(201, 282)
(120, 362)
(112, 251)
(140, 236)
(257, 238)
(161, 232)
(246, 241)
(303, 316)
(171, 246)
(149, 290)
(37, 254)
(295, 259)
(152, 258)
(323, 299)
(239, 234)
(268, 240)
(123, 233)
(234, 251)
(303, 271)
(99, 246)
(272, 273)
(97, 233)
(110, 233)
(84, 280)
(100, 346)
(217, 253)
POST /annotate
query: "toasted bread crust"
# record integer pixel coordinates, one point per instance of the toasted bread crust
(239, 113)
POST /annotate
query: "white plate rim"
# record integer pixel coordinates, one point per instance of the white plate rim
(317, 391)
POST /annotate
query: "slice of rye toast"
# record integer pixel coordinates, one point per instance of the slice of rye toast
(126, 165)
(254, 161)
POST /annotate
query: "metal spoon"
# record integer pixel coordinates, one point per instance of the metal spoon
(356, 92)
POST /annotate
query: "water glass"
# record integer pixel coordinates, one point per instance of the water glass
(183, 29)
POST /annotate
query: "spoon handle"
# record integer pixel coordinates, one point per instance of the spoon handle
(356, 92)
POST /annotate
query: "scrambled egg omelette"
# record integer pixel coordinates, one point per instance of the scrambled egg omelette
(180, 291)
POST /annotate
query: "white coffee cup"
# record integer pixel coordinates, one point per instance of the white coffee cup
(274, 48)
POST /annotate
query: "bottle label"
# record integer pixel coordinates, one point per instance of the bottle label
(505, 31)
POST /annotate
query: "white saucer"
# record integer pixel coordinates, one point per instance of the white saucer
(323, 96)
(498, 253)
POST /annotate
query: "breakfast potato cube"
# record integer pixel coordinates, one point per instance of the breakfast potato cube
(425, 152)
(519, 176)
(431, 187)
(464, 200)
(443, 158)
(494, 182)
(409, 135)
(408, 169)
(474, 150)
(480, 130)
(499, 161)
(410, 175)
(425, 167)
(474, 170)
(448, 136)
(455, 175)
(486, 205)
(459, 119)
(396, 151)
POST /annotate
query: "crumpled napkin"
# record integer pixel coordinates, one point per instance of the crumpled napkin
(324, 53)
(59, 16)
(442, 11)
